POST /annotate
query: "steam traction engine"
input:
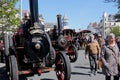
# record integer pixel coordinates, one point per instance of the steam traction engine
(63, 40)
(71, 49)
(32, 53)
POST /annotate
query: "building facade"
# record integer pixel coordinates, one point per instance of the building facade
(65, 22)
(104, 26)
(49, 25)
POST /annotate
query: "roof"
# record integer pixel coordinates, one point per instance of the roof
(72, 30)
(85, 31)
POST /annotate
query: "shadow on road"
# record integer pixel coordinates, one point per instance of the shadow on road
(4, 76)
(100, 72)
(83, 67)
(46, 79)
(78, 73)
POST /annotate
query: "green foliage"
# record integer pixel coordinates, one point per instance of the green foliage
(116, 1)
(116, 30)
(111, 0)
(117, 16)
(9, 15)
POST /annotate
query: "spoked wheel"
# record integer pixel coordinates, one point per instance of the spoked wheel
(63, 67)
(13, 68)
(74, 53)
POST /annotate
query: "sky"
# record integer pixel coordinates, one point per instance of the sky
(79, 12)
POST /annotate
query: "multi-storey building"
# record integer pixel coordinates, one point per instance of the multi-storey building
(104, 26)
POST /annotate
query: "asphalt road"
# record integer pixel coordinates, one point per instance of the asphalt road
(79, 71)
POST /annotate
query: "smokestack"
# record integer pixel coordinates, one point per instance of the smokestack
(59, 24)
(34, 11)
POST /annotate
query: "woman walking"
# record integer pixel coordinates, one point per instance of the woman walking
(109, 53)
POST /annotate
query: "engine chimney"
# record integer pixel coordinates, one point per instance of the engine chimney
(59, 24)
(34, 11)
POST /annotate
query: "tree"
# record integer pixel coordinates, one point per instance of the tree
(116, 30)
(9, 15)
(116, 1)
(117, 16)
(111, 0)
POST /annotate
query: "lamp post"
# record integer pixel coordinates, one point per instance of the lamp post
(103, 25)
(20, 10)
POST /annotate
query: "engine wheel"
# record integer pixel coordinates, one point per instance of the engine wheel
(63, 67)
(50, 58)
(74, 56)
(13, 68)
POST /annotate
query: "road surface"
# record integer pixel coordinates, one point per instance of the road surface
(79, 71)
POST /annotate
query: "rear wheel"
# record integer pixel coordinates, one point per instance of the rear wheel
(74, 55)
(63, 67)
(13, 68)
(50, 58)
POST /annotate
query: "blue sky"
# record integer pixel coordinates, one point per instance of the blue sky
(79, 12)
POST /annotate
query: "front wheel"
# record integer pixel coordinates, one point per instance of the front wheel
(63, 67)
(13, 68)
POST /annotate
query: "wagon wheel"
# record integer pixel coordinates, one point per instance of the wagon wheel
(63, 68)
(74, 55)
(13, 68)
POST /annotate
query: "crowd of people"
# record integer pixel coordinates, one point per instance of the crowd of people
(104, 54)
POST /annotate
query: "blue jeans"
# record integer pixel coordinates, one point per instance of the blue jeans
(93, 62)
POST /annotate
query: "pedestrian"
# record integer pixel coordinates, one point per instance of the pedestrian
(83, 41)
(2, 51)
(109, 62)
(118, 42)
(92, 50)
(100, 42)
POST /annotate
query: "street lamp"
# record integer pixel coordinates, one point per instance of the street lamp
(20, 10)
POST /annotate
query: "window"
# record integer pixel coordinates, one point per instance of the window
(105, 24)
(105, 19)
